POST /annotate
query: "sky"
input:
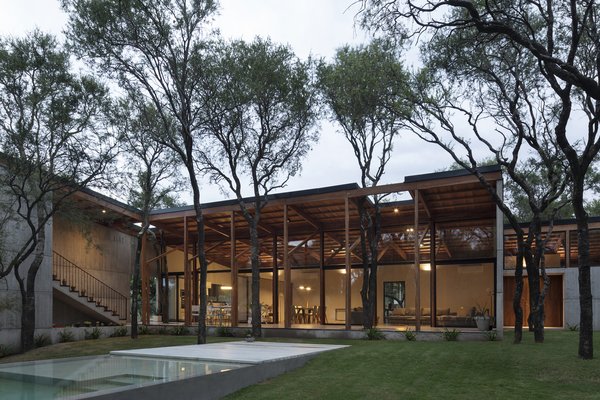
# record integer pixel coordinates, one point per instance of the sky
(310, 27)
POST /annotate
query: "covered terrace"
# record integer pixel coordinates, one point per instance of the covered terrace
(440, 250)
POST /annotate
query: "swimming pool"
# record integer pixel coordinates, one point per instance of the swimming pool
(94, 376)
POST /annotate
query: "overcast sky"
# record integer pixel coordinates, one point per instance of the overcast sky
(310, 27)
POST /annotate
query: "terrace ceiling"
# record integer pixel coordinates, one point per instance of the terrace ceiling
(451, 199)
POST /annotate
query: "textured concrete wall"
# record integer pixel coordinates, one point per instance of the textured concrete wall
(571, 296)
(105, 253)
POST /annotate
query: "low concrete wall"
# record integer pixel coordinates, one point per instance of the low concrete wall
(206, 387)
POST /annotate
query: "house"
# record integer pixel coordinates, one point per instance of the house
(444, 247)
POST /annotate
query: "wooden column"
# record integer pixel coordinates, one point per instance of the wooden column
(348, 270)
(322, 277)
(194, 261)
(275, 284)
(567, 249)
(187, 276)
(417, 266)
(432, 274)
(287, 273)
(145, 311)
(234, 272)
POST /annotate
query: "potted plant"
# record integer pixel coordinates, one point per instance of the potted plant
(482, 318)
(249, 337)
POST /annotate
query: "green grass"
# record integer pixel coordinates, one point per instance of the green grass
(406, 370)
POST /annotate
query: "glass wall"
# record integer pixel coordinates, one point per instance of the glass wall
(396, 288)
(463, 291)
(554, 253)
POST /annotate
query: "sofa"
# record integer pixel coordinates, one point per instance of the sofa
(443, 317)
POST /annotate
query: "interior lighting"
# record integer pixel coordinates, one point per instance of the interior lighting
(226, 288)
(301, 287)
(396, 210)
(103, 211)
(425, 267)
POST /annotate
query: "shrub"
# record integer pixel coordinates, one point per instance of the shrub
(119, 332)
(65, 336)
(450, 335)
(144, 330)
(410, 335)
(374, 334)
(5, 350)
(179, 330)
(491, 335)
(224, 331)
(573, 328)
(94, 334)
(162, 330)
(41, 340)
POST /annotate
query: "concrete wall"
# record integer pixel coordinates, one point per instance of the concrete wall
(571, 296)
(103, 252)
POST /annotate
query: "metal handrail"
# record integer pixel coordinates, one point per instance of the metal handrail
(87, 285)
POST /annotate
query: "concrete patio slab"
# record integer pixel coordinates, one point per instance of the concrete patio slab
(235, 352)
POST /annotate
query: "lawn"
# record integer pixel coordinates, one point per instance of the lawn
(407, 370)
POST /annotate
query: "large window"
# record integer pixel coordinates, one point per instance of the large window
(554, 252)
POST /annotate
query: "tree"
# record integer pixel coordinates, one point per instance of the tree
(365, 88)
(156, 48)
(54, 141)
(260, 113)
(562, 40)
(151, 178)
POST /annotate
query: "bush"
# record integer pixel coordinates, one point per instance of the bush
(96, 333)
(374, 334)
(66, 336)
(224, 331)
(162, 330)
(144, 330)
(450, 335)
(573, 328)
(119, 332)
(491, 335)
(5, 350)
(179, 330)
(41, 340)
(410, 335)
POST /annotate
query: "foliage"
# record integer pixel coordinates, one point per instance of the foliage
(162, 330)
(224, 331)
(5, 350)
(119, 332)
(374, 334)
(180, 330)
(450, 335)
(145, 330)
(410, 335)
(41, 340)
(573, 328)
(491, 335)
(94, 334)
(66, 336)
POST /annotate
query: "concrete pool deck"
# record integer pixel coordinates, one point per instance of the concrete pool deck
(234, 352)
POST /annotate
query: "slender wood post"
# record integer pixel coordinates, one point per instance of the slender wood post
(187, 284)
(194, 261)
(287, 273)
(322, 277)
(145, 309)
(348, 270)
(234, 272)
(275, 285)
(567, 249)
(433, 274)
(417, 266)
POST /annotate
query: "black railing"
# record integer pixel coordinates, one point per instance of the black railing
(95, 291)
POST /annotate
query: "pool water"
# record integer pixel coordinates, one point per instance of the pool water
(66, 378)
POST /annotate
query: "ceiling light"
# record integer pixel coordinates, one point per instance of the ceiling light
(396, 210)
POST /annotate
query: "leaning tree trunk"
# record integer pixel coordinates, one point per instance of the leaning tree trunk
(365, 292)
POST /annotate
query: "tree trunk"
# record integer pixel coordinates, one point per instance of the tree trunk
(135, 287)
(255, 262)
(586, 348)
(518, 294)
